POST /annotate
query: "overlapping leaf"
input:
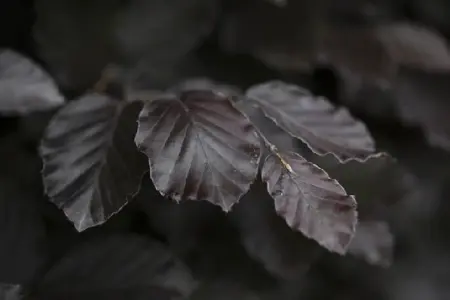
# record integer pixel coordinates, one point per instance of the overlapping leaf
(314, 120)
(24, 86)
(91, 165)
(310, 201)
(116, 267)
(199, 147)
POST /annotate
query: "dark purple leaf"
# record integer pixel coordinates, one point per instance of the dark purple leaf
(116, 267)
(314, 120)
(24, 86)
(310, 201)
(200, 147)
(91, 165)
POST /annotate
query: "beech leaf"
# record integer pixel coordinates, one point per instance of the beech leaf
(314, 120)
(90, 164)
(116, 267)
(200, 147)
(24, 86)
(310, 201)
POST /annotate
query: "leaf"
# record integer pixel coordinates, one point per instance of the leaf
(10, 292)
(199, 147)
(24, 86)
(310, 201)
(314, 120)
(91, 165)
(374, 242)
(116, 267)
(268, 130)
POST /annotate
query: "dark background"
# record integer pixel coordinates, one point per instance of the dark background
(244, 42)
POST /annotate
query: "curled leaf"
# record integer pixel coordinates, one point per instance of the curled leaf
(200, 147)
(314, 120)
(90, 162)
(310, 201)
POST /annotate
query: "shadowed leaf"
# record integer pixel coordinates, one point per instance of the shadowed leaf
(90, 162)
(200, 147)
(310, 201)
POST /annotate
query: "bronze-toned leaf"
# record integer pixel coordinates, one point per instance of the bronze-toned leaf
(310, 201)
(200, 147)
